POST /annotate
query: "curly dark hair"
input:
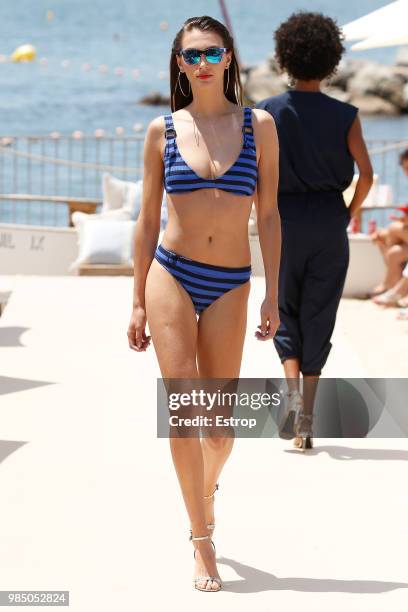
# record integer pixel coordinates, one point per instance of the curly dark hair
(403, 157)
(309, 46)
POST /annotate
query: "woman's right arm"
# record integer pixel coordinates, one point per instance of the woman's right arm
(147, 229)
(358, 150)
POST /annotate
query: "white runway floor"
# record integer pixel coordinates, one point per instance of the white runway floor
(89, 498)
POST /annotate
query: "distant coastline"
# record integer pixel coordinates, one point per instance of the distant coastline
(376, 89)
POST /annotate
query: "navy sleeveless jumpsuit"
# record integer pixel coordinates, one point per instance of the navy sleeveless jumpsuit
(315, 167)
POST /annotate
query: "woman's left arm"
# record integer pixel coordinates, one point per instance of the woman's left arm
(268, 219)
(358, 150)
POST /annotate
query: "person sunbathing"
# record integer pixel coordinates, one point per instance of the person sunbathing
(393, 244)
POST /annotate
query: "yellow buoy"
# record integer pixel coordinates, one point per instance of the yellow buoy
(24, 53)
(50, 15)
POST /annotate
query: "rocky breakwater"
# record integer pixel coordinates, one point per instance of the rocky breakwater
(375, 88)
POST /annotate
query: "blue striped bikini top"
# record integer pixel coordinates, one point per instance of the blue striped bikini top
(240, 178)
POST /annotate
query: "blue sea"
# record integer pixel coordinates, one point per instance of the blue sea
(57, 92)
(127, 34)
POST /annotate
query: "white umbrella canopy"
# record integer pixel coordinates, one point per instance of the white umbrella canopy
(384, 27)
(383, 40)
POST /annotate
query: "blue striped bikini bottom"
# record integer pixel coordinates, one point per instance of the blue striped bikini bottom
(203, 282)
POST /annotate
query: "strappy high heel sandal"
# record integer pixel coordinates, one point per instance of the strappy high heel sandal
(199, 579)
(303, 430)
(294, 404)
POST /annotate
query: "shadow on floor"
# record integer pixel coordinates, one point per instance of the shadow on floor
(345, 453)
(11, 385)
(255, 581)
(10, 336)
(7, 447)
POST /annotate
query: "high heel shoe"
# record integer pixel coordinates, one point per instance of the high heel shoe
(205, 578)
(303, 431)
(294, 405)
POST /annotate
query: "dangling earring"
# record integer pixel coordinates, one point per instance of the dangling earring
(291, 82)
(226, 89)
(181, 89)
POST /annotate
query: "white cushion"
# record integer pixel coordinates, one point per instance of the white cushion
(133, 200)
(119, 194)
(122, 201)
(105, 242)
(120, 214)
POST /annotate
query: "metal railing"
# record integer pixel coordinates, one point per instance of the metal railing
(384, 156)
(60, 168)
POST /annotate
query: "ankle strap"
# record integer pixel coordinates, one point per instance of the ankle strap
(206, 537)
(212, 494)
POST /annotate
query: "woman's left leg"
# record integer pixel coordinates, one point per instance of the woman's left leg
(304, 423)
(221, 336)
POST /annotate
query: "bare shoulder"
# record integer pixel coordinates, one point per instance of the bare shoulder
(263, 118)
(263, 121)
(154, 137)
(264, 126)
(155, 129)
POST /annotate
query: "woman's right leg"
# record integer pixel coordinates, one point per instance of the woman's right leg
(173, 328)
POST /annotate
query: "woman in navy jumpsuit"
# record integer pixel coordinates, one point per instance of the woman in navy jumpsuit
(319, 139)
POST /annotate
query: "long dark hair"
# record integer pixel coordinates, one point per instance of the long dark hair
(205, 23)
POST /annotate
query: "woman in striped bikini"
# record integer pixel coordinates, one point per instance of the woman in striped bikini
(193, 288)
